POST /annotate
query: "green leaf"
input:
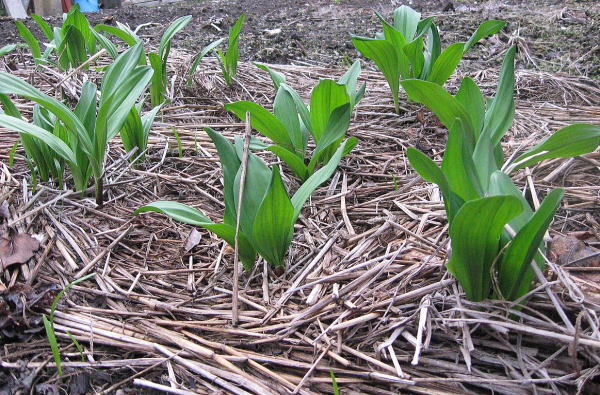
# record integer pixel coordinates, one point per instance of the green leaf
(126, 35)
(199, 57)
(406, 21)
(230, 164)
(285, 111)
(324, 99)
(414, 54)
(291, 159)
(276, 77)
(32, 42)
(49, 328)
(515, 273)
(230, 60)
(475, 237)
(438, 100)
(335, 130)
(51, 140)
(274, 224)
(500, 114)
(157, 87)
(262, 121)
(189, 215)
(501, 184)
(570, 141)
(486, 29)
(172, 30)
(458, 166)
(446, 63)
(469, 95)
(5, 50)
(385, 57)
(44, 26)
(313, 182)
(350, 80)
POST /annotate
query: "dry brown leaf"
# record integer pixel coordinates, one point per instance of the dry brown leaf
(572, 251)
(193, 240)
(17, 249)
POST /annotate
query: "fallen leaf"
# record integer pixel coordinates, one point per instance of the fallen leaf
(193, 240)
(17, 249)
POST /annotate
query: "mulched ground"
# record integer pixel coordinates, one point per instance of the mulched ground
(364, 293)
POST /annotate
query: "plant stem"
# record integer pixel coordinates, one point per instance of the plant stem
(100, 191)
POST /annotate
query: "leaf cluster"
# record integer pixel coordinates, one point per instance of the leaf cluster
(494, 232)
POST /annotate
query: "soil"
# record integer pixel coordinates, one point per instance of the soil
(553, 35)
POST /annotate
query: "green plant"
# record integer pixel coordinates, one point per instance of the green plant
(157, 60)
(267, 213)
(135, 131)
(334, 384)
(5, 50)
(199, 58)
(411, 48)
(229, 59)
(73, 42)
(289, 126)
(494, 232)
(49, 325)
(80, 137)
(178, 140)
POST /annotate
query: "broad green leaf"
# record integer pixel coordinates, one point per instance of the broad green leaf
(475, 237)
(500, 114)
(458, 166)
(9, 107)
(485, 161)
(284, 109)
(324, 99)
(570, 141)
(335, 130)
(230, 164)
(469, 95)
(126, 35)
(385, 57)
(262, 121)
(414, 54)
(189, 215)
(5, 50)
(157, 87)
(106, 44)
(258, 179)
(10, 84)
(313, 182)
(406, 21)
(302, 110)
(32, 42)
(430, 172)
(291, 159)
(438, 100)
(51, 140)
(350, 80)
(274, 224)
(433, 49)
(446, 63)
(168, 35)
(199, 57)
(277, 77)
(515, 273)
(501, 184)
(486, 29)
(44, 26)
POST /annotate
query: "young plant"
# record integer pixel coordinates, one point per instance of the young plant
(411, 48)
(326, 120)
(267, 215)
(229, 59)
(73, 43)
(157, 60)
(5, 50)
(84, 133)
(494, 232)
(49, 324)
(135, 131)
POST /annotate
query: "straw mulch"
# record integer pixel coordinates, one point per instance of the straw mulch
(364, 293)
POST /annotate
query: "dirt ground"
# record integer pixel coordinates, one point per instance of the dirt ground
(559, 37)
(554, 35)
